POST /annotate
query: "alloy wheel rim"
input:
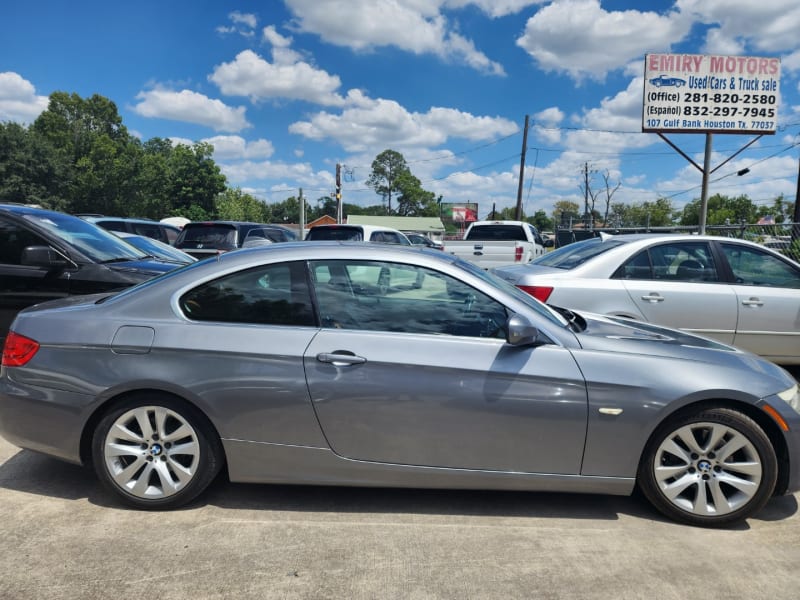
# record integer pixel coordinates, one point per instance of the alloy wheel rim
(707, 469)
(151, 452)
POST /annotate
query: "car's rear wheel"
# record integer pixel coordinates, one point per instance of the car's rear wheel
(711, 468)
(155, 452)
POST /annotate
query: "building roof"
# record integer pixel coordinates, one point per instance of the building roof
(420, 224)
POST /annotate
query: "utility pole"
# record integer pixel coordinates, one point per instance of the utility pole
(338, 193)
(586, 194)
(302, 215)
(518, 216)
(796, 217)
(704, 186)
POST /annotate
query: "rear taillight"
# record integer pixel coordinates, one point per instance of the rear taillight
(18, 350)
(539, 292)
(518, 254)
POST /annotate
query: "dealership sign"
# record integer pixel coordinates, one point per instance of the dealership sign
(690, 93)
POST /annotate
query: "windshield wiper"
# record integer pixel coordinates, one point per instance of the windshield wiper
(117, 260)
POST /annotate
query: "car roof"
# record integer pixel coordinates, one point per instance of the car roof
(27, 209)
(101, 218)
(364, 228)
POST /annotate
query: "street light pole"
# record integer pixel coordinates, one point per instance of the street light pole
(704, 193)
(518, 213)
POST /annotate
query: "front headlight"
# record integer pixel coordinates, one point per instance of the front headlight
(791, 397)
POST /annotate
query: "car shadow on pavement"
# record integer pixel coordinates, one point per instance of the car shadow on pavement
(33, 473)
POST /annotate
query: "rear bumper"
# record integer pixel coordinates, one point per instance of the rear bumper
(44, 420)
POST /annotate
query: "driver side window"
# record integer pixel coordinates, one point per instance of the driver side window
(384, 296)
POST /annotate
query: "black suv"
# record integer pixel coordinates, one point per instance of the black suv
(46, 255)
(202, 239)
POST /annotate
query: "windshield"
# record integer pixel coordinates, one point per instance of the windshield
(207, 235)
(570, 256)
(159, 249)
(512, 290)
(95, 242)
(496, 232)
(339, 233)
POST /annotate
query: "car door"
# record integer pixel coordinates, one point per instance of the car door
(678, 284)
(411, 368)
(21, 284)
(768, 292)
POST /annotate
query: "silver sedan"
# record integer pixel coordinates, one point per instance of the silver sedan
(360, 364)
(735, 291)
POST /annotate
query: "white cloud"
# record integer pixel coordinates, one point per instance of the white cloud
(582, 39)
(545, 124)
(234, 147)
(179, 141)
(243, 19)
(494, 8)
(252, 76)
(379, 124)
(243, 23)
(416, 26)
(271, 36)
(18, 99)
(717, 42)
(762, 26)
(191, 107)
(299, 174)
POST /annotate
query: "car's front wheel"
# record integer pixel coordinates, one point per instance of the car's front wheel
(155, 452)
(711, 468)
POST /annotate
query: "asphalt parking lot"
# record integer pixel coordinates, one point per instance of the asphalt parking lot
(64, 537)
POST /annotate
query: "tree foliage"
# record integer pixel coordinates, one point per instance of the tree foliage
(388, 169)
(77, 156)
(642, 214)
(564, 210)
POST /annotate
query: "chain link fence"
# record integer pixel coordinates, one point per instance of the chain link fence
(784, 238)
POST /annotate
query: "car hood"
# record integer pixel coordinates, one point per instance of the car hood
(626, 336)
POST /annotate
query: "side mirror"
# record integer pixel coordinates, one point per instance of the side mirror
(549, 243)
(521, 332)
(44, 256)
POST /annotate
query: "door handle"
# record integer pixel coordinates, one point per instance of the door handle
(653, 298)
(752, 302)
(341, 358)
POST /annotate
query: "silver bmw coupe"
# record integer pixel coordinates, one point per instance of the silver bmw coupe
(359, 364)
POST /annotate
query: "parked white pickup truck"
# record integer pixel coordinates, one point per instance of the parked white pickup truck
(498, 243)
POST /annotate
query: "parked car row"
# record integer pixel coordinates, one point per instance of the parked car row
(331, 336)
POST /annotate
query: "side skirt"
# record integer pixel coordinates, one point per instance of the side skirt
(255, 462)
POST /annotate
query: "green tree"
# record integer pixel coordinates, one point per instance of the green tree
(642, 214)
(30, 168)
(236, 205)
(413, 201)
(721, 210)
(195, 180)
(564, 210)
(90, 140)
(388, 169)
(541, 221)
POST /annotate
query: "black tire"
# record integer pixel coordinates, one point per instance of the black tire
(711, 468)
(155, 452)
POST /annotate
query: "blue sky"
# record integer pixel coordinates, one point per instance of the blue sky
(284, 90)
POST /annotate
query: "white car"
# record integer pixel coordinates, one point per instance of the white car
(732, 290)
(357, 233)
